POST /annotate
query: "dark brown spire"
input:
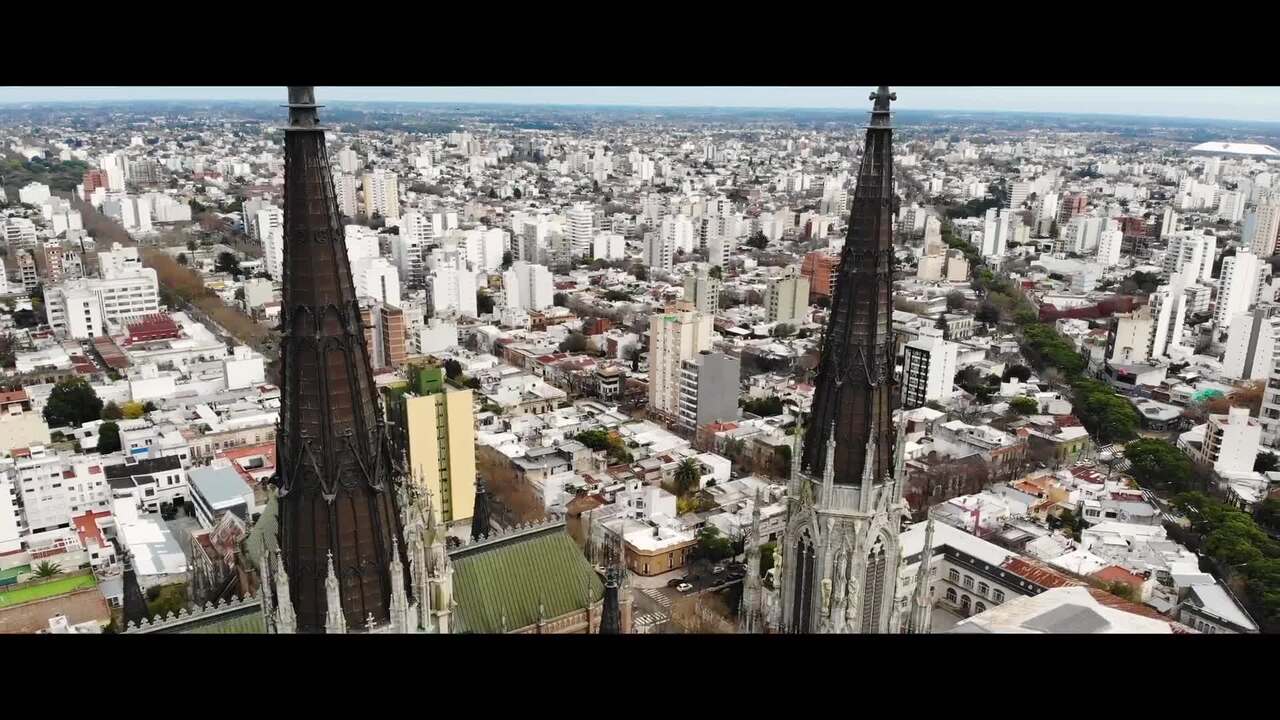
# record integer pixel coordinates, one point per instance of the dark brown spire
(335, 475)
(853, 394)
(480, 514)
(611, 611)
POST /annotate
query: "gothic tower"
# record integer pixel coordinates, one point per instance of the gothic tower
(840, 548)
(339, 525)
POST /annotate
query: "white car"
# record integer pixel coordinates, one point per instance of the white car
(684, 587)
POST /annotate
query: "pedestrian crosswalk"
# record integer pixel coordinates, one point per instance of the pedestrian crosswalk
(658, 596)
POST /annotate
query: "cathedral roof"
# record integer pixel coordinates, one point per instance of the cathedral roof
(512, 577)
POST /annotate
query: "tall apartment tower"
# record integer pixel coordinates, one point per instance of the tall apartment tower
(703, 290)
(788, 297)
(1261, 230)
(382, 194)
(1240, 285)
(434, 426)
(580, 234)
(674, 336)
(928, 369)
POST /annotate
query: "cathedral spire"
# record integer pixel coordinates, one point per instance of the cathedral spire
(335, 622)
(923, 602)
(611, 617)
(285, 620)
(853, 388)
(480, 515)
(335, 474)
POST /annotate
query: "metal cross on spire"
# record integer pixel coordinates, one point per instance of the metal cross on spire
(882, 96)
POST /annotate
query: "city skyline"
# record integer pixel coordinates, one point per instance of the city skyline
(1252, 103)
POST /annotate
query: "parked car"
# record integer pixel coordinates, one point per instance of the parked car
(684, 587)
(675, 582)
(717, 570)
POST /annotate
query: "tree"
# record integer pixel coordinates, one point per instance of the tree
(473, 383)
(25, 318)
(988, 313)
(112, 411)
(452, 369)
(1022, 372)
(688, 472)
(955, 300)
(618, 296)
(716, 272)
(764, 407)
(712, 545)
(782, 330)
(1108, 416)
(182, 259)
(108, 438)
(758, 241)
(8, 351)
(560, 299)
(640, 272)
(149, 407)
(47, 569)
(1024, 405)
(227, 263)
(133, 410)
(72, 402)
(507, 257)
(1156, 463)
(484, 303)
(576, 342)
(1265, 462)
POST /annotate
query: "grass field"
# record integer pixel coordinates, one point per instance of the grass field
(39, 591)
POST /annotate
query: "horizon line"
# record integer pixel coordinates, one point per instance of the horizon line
(774, 108)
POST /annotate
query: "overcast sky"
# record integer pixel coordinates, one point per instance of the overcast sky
(1234, 103)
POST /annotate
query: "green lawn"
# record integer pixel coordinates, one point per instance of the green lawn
(28, 592)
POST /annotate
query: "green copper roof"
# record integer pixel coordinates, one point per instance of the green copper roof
(265, 533)
(513, 576)
(244, 622)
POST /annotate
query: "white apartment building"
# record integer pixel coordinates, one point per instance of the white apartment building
(929, 369)
(608, 246)
(1129, 341)
(1109, 246)
(528, 286)
(659, 252)
(995, 233)
(344, 187)
(1240, 285)
(677, 233)
(410, 247)
(674, 336)
(1231, 206)
(348, 160)
(19, 233)
(1251, 343)
(787, 299)
(580, 229)
(382, 194)
(119, 261)
(1231, 441)
(376, 278)
(485, 248)
(451, 289)
(33, 193)
(1261, 228)
(80, 308)
(703, 290)
(1191, 249)
(54, 488)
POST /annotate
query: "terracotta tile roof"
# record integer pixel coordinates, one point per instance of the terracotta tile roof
(1106, 599)
(1115, 573)
(12, 397)
(1038, 574)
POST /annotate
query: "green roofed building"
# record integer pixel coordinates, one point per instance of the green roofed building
(531, 581)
